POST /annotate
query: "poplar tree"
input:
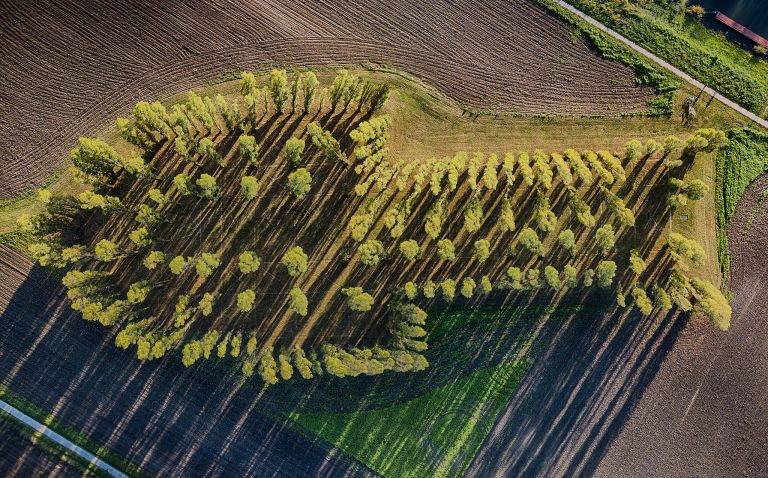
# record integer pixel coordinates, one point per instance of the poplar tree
(295, 88)
(299, 182)
(446, 250)
(530, 240)
(207, 186)
(248, 262)
(468, 287)
(293, 150)
(95, 160)
(248, 84)
(409, 249)
(543, 170)
(249, 187)
(295, 260)
(245, 300)
(552, 276)
(371, 252)
(448, 289)
(309, 87)
(278, 88)
(249, 149)
(605, 272)
(606, 238)
(567, 240)
(325, 142)
(482, 250)
(357, 299)
(298, 301)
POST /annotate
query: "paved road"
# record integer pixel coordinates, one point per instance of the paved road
(81, 452)
(762, 122)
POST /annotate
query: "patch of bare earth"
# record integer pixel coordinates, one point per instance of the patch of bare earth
(69, 68)
(706, 414)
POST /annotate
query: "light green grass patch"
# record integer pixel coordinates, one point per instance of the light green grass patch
(434, 435)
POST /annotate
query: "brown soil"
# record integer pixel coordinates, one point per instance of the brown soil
(706, 414)
(69, 68)
(19, 457)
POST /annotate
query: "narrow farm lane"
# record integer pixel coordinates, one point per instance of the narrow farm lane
(762, 122)
(79, 451)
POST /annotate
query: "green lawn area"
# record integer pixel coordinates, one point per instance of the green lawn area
(434, 435)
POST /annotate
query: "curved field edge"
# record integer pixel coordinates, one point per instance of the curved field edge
(664, 83)
(739, 163)
(690, 46)
(436, 434)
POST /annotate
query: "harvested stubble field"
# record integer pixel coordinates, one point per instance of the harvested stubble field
(90, 61)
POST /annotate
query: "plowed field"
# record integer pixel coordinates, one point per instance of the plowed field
(68, 68)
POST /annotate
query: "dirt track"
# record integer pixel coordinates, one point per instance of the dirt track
(706, 414)
(67, 68)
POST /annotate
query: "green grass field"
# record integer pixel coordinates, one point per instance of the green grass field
(434, 435)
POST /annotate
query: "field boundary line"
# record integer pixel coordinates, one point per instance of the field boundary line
(733, 105)
(52, 435)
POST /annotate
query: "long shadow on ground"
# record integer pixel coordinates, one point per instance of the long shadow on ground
(590, 367)
(170, 420)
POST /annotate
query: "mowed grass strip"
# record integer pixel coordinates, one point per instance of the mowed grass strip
(434, 435)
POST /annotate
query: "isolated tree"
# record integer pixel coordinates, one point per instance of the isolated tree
(445, 250)
(278, 88)
(672, 144)
(156, 196)
(293, 150)
(248, 262)
(249, 187)
(248, 84)
(546, 220)
(613, 164)
(357, 299)
(604, 273)
(605, 238)
(661, 299)
(482, 250)
(96, 160)
(589, 278)
(154, 259)
(267, 367)
(178, 264)
(138, 291)
(207, 186)
(544, 173)
(486, 287)
(567, 240)
(571, 276)
(371, 252)
(448, 289)
(473, 215)
(295, 88)
(299, 182)
(429, 289)
(309, 87)
(298, 301)
(490, 178)
(468, 287)
(680, 247)
(506, 216)
(552, 276)
(634, 150)
(249, 149)
(643, 303)
(245, 300)
(295, 260)
(636, 263)
(325, 142)
(530, 240)
(563, 170)
(206, 304)
(409, 249)
(533, 279)
(411, 290)
(206, 264)
(106, 250)
(141, 237)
